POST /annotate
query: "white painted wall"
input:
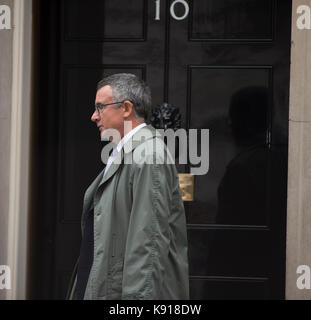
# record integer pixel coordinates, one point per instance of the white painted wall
(15, 107)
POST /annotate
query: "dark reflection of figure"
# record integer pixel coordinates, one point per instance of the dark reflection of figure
(252, 190)
(242, 191)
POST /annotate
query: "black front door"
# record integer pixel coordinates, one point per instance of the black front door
(225, 64)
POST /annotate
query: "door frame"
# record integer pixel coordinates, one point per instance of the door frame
(17, 242)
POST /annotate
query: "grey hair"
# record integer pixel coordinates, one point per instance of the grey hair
(126, 86)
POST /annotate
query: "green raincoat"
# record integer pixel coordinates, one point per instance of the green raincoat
(140, 237)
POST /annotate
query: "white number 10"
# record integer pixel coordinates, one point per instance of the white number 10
(173, 14)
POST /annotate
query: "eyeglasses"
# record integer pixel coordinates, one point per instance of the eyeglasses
(101, 106)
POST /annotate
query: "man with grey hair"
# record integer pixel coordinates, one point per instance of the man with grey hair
(134, 240)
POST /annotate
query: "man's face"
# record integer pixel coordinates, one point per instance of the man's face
(109, 117)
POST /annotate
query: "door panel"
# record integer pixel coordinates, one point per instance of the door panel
(232, 20)
(109, 20)
(210, 96)
(226, 66)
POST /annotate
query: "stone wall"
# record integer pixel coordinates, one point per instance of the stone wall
(6, 42)
(299, 174)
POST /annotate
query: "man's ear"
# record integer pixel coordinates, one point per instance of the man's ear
(128, 108)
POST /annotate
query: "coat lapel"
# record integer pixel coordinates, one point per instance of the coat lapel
(113, 168)
(89, 194)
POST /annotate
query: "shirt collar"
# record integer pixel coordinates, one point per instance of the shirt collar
(128, 136)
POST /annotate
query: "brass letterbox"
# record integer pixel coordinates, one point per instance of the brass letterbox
(186, 183)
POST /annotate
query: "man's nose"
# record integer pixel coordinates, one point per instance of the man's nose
(95, 116)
